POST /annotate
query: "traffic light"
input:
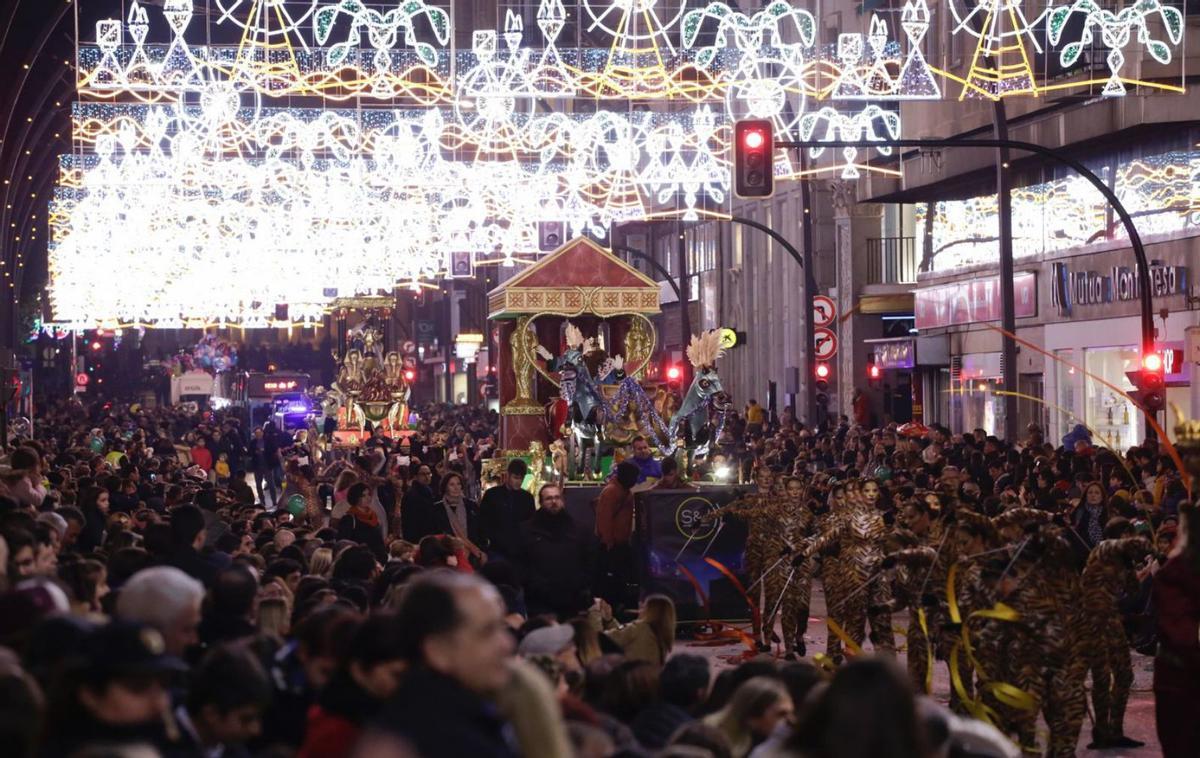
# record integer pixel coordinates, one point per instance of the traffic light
(1152, 383)
(753, 167)
(410, 375)
(874, 372)
(822, 375)
(674, 374)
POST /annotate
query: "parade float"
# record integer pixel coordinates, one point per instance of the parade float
(372, 385)
(576, 343)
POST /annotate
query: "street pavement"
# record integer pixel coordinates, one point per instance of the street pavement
(1139, 716)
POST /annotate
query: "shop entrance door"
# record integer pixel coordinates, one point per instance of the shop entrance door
(1030, 411)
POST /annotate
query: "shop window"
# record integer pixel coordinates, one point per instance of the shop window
(1112, 416)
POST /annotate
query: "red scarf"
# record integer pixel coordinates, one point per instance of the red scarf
(364, 515)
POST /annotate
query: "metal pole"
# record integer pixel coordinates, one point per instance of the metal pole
(1008, 354)
(670, 280)
(815, 415)
(685, 318)
(1145, 296)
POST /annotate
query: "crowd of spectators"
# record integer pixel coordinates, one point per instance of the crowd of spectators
(182, 585)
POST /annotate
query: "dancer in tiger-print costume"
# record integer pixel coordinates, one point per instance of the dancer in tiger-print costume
(830, 564)
(858, 534)
(1111, 572)
(1045, 645)
(764, 545)
(922, 568)
(788, 589)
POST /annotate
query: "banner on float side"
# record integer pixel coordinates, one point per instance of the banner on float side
(672, 534)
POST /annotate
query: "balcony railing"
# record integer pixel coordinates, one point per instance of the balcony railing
(891, 260)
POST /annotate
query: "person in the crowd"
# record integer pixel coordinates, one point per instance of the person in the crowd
(503, 510)
(614, 527)
(452, 634)
(166, 599)
(649, 469)
(417, 508)
(227, 692)
(757, 707)
(833, 726)
(683, 686)
(229, 608)
(457, 515)
(671, 478)
(1177, 665)
(187, 538)
(650, 637)
(361, 524)
(368, 674)
(112, 691)
(557, 558)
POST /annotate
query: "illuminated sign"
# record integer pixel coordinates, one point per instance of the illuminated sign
(259, 385)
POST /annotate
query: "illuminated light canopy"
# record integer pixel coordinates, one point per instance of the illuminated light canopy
(199, 194)
(1161, 192)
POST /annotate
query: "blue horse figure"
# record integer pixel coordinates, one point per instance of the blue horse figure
(587, 409)
(704, 394)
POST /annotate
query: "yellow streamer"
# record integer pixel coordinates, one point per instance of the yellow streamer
(825, 662)
(852, 647)
(928, 651)
(1008, 694)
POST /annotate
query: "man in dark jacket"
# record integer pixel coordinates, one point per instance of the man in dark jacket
(187, 537)
(502, 512)
(557, 558)
(451, 631)
(416, 510)
(682, 689)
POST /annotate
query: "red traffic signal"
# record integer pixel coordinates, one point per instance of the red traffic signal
(409, 375)
(674, 373)
(874, 372)
(1152, 381)
(822, 371)
(753, 167)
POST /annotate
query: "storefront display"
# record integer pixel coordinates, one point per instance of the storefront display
(1111, 415)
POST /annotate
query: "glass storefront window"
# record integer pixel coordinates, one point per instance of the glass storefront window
(1110, 414)
(1069, 411)
(981, 407)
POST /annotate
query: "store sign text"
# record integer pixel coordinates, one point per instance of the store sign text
(1120, 284)
(972, 301)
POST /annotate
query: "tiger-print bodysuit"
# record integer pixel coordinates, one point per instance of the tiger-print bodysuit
(857, 533)
(1110, 574)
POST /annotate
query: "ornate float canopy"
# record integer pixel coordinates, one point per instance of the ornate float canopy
(579, 277)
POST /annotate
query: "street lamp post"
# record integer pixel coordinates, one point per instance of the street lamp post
(1145, 296)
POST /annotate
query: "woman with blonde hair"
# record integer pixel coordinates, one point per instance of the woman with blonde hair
(273, 617)
(341, 493)
(753, 712)
(648, 638)
(321, 562)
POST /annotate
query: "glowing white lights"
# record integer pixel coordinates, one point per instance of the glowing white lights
(201, 191)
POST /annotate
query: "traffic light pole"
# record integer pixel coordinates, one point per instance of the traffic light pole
(658, 268)
(1145, 295)
(810, 287)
